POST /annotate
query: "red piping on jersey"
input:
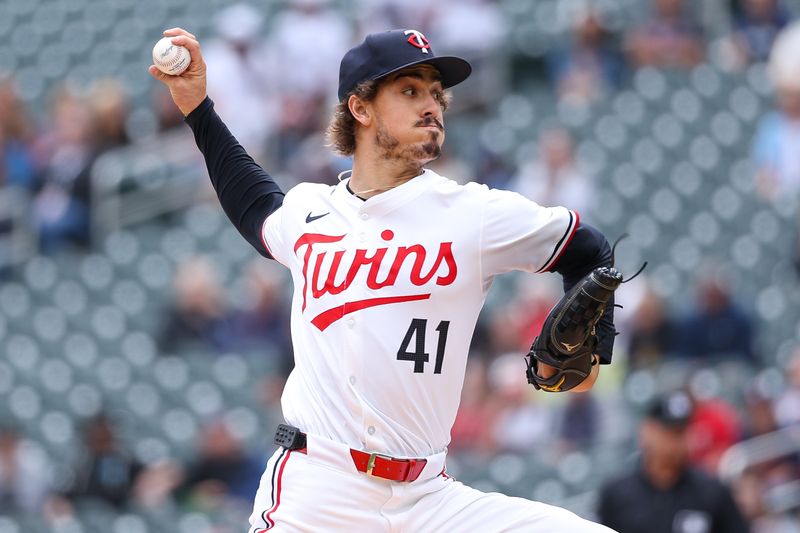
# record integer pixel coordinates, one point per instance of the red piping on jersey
(326, 318)
(569, 240)
(269, 523)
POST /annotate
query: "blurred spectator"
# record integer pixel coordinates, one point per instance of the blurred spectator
(554, 177)
(759, 415)
(80, 131)
(665, 493)
(714, 427)
(519, 421)
(107, 471)
(669, 38)
(455, 25)
(534, 297)
(25, 474)
(314, 165)
(579, 422)
(380, 15)
(589, 67)
(774, 149)
(223, 474)
(751, 495)
(775, 153)
(511, 322)
(108, 107)
(651, 332)
(756, 24)
(455, 167)
(264, 323)
(168, 116)
(17, 135)
(474, 29)
(18, 166)
(717, 326)
(470, 430)
(199, 317)
(763, 488)
(314, 34)
(156, 483)
(787, 404)
(61, 207)
(503, 327)
(493, 170)
(239, 79)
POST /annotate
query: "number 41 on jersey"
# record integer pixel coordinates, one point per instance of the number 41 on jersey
(416, 332)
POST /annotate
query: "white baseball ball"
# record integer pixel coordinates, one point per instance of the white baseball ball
(170, 58)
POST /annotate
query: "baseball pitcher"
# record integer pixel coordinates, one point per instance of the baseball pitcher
(391, 267)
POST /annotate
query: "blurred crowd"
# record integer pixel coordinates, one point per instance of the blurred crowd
(279, 117)
(272, 82)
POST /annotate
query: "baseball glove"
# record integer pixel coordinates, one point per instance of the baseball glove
(568, 338)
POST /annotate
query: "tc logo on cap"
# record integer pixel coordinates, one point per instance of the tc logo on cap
(417, 39)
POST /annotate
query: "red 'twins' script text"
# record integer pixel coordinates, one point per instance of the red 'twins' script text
(321, 282)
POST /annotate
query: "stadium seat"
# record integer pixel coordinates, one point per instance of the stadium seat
(84, 400)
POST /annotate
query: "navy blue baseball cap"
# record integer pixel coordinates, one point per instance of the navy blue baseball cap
(387, 52)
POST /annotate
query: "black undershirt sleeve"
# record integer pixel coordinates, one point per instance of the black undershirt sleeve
(247, 193)
(588, 250)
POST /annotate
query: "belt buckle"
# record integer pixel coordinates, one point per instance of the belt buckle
(371, 461)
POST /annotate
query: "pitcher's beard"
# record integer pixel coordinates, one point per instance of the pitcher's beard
(417, 154)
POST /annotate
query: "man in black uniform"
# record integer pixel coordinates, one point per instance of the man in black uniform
(665, 494)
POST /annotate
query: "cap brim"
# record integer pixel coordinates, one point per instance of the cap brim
(453, 69)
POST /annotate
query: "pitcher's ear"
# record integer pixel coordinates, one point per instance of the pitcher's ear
(359, 110)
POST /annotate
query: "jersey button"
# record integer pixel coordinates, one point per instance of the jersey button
(351, 322)
(371, 430)
(352, 380)
(364, 216)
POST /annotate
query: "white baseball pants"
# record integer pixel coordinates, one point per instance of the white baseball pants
(321, 491)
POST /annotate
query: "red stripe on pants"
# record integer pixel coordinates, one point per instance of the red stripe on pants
(269, 523)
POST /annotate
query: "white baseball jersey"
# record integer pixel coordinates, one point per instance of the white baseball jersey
(387, 294)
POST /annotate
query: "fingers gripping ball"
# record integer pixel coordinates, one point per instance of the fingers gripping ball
(170, 58)
(568, 338)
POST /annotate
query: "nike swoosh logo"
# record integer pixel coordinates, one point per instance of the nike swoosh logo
(310, 218)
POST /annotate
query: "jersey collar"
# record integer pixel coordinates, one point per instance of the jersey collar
(388, 200)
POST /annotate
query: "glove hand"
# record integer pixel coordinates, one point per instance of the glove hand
(562, 357)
